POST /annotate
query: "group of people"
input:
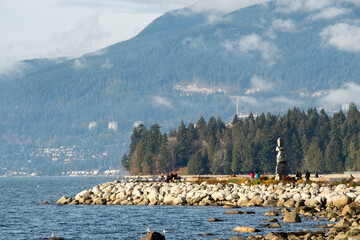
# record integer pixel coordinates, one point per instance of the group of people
(170, 177)
(298, 175)
(255, 175)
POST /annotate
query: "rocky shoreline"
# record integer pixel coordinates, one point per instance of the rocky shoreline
(339, 204)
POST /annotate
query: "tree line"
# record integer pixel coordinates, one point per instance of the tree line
(314, 141)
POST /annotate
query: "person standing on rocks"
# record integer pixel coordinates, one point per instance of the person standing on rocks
(307, 176)
(252, 175)
(351, 178)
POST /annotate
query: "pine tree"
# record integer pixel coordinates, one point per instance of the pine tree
(228, 158)
(125, 162)
(164, 158)
(183, 150)
(314, 159)
(197, 164)
(236, 156)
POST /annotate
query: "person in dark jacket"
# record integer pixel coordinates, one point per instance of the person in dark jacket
(307, 175)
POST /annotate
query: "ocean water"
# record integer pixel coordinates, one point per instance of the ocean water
(22, 216)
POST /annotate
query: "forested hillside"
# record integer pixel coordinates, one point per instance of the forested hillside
(314, 141)
(185, 64)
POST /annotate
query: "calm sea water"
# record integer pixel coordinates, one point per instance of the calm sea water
(22, 216)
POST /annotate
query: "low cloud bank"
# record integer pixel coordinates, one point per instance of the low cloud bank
(350, 92)
(343, 36)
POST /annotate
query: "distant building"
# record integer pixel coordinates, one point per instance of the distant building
(92, 125)
(113, 126)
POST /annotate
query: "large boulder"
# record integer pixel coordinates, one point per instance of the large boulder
(270, 203)
(352, 209)
(100, 201)
(243, 201)
(276, 236)
(169, 200)
(291, 217)
(64, 200)
(179, 200)
(289, 203)
(218, 196)
(153, 236)
(340, 200)
(256, 200)
(343, 223)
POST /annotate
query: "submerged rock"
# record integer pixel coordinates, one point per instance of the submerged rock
(153, 236)
(272, 213)
(245, 229)
(215, 220)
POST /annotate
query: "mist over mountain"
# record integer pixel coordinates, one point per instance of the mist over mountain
(187, 63)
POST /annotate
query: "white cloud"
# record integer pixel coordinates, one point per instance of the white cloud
(350, 92)
(248, 100)
(283, 25)
(107, 64)
(161, 102)
(224, 6)
(254, 43)
(289, 6)
(262, 84)
(286, 101)
(215, 17)
(343, 36)
(79, 64)
(194, 42)
(329, 13)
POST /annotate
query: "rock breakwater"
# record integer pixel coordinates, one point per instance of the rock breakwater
(186, 193)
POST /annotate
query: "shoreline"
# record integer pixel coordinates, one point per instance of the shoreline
(336, 203)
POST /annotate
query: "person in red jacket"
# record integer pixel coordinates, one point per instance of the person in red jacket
(252, 175)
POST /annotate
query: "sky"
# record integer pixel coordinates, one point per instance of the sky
(56, 28)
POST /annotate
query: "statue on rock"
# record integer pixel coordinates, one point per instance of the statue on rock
(281, 163)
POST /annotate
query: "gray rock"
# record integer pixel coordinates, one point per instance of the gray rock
(233, 212)
(272, 213)
(291, 217)
(273, 225)
(271, 220)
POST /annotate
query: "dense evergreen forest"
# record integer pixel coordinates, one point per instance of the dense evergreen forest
(314, 141)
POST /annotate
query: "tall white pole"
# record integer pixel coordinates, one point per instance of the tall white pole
(237, 106)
